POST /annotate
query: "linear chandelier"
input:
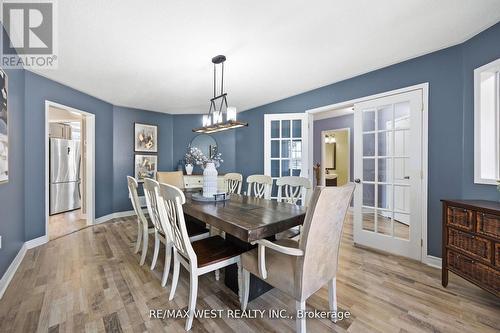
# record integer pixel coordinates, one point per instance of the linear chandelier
(220, 117)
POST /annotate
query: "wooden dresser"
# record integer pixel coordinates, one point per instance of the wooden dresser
(471, 242)
(196, 181)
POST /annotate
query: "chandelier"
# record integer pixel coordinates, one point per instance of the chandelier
(220, 117)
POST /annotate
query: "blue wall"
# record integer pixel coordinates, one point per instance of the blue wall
(12, 193)
(449, 73)
(183, 134)
(123, 148)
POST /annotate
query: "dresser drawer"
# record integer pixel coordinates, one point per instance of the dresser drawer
(488, 277)
(474, 245)
(488, 224)
(460, 218)
(193, 181)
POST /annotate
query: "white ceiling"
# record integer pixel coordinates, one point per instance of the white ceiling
(156, 55)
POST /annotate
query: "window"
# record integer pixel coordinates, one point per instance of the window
(487, 123)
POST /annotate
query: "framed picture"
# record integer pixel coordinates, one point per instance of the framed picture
(145, 138)
(4, 129)
(145, 166)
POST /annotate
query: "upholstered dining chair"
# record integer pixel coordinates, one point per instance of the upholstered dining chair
(293, 190)
(175, 178)
(233, 182)
(195, 232)
(259, 186)
(199, 257)
(144, 225)
(300, 268)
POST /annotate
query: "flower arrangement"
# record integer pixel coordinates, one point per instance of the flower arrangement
(195, 156)
(216, 158)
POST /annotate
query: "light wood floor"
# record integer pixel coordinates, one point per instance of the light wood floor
(66, 223)
(91, 281)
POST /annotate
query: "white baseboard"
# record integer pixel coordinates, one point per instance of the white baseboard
(433, 261)
(9, 273)
(36, 242)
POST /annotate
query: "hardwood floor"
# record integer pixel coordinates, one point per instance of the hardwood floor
(66, 223)
(91, 281)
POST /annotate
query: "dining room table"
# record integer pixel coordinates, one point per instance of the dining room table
(245, 219)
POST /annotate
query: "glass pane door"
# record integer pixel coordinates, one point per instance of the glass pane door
(285, 147)
(387, 167)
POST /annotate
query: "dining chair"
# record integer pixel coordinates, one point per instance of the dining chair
(144, 225)
(300, 268)
(293, 189)
(199, 257)
(195, 231)
(233, 182)
(175, 178)
(260, 186)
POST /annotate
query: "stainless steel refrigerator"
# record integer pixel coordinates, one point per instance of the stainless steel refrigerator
(64, 175)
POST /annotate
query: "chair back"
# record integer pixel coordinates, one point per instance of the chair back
(134, 197)
(292, 188)
(170, 201)
(175, 178)
(150, 186)
(260, 186)
(233, 182)
(320, 240)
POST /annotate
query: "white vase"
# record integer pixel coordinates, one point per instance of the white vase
(210, 180)
(189, 169)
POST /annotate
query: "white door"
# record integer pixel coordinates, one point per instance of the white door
(388, 170)
(286, 146)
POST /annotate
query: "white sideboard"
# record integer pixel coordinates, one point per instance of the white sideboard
(196, 181)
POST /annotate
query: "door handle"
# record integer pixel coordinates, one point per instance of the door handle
(406, 177)
(357, 180)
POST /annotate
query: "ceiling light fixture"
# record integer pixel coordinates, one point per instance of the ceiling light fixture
(220, 117)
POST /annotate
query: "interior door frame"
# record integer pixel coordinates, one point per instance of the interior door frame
(90, 162)
(323, 112)
(323, 152)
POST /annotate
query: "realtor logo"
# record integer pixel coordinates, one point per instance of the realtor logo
(31, 29)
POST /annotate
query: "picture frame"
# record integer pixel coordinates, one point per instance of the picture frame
(145, 138)
(4, 129)
(145, 166)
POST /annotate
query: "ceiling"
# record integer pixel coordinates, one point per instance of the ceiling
(156, 55)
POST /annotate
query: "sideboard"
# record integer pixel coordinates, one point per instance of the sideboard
(196, 181)
(471, 242)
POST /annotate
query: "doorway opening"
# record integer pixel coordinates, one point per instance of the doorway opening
(389, 160)
(69, 152)
(335, 157)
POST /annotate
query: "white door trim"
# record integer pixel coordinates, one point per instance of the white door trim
(426, 258)
(90, 166)
(323, 152)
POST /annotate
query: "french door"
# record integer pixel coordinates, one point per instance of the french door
(286, 146)
(388, 170)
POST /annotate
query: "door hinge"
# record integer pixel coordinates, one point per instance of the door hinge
(421, 242)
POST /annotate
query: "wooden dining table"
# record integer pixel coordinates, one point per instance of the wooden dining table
(245, 219)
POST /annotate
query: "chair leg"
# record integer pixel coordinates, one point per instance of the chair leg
(157, 249)
(166, 268)
(145, 239)
(175, 276)
(245, 289)
(193, 293)
(217, 275)
(139, 236)
(300, 322)
(332, 297)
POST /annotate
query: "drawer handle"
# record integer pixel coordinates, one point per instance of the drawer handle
(470, 261)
